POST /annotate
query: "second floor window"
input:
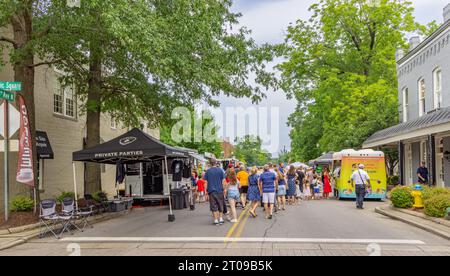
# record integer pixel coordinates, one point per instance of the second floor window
(405, 104)
(437, 80)
(422, 97)
(58, 102)
(64, 102)
(70, 102)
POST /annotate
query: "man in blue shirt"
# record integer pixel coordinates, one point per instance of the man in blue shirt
(268, 185)
(422, 174)
(214, 186)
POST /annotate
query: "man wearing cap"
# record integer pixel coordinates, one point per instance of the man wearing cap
(361, 178)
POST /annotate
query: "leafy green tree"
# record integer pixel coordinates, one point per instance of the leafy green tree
(23, 27)
(202, 127)
(249, 150)
(137, 60)
(284, 156)
(341, 69)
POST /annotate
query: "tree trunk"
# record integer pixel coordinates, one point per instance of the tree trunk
(93, 171)
(24, 71)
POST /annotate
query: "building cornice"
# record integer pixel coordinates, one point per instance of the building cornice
(424, 43)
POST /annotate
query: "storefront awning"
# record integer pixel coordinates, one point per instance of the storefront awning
(43, 147)
(432, 123)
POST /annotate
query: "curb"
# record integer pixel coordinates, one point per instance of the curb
(443, 234)
(440, 221)
(22, 240)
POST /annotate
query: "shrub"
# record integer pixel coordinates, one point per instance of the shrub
(393, 180)
(401, 197)
(428, 192)
(64, 195)
(22, 204)
(100, 196)
(437, 205)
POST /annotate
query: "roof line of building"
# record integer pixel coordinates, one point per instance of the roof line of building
(425, 42)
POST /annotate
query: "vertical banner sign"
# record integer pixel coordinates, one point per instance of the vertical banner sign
(25, 173)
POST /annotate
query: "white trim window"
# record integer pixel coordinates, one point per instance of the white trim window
(69, 107)
(58, 101)
(437, 88)
(422, 97)
(64, 101)
(405, 104)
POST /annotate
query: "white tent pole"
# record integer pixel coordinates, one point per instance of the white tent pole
(75, 185)
(167, 179)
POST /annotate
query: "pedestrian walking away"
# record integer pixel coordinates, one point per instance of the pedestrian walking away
(201, 189)
(214, 185)
(300, 178)
(281, 190)
(267, 181)
(362, 180)
(233, 196)
(254, 191)
(291, 179)
(307, 190)
(242, 177)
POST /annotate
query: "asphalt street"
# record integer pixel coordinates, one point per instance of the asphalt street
(325, 227)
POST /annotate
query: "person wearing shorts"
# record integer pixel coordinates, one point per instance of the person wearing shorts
(242, 176)
(233, 196)
(281, 191)
(268, 184)
(214, 184)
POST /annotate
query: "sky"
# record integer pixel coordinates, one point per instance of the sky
(268, 20)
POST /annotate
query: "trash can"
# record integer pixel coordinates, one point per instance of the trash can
(177, 196)
(186, 201)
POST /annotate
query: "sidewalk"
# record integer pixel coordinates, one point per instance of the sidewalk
(437, 226)
(20, 235)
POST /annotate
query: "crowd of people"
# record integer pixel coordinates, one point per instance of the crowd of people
(273, 187)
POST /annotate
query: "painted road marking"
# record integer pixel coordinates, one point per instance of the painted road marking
(242, 226)
(240, 240)
(235, 225)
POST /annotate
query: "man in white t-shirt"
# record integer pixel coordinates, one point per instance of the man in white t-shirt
(361, 178)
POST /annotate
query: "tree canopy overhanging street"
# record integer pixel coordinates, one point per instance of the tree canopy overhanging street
(133, 123)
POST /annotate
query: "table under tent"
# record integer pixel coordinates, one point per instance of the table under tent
(152, 169)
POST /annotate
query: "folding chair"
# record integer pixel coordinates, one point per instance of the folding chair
(68, 215)
(84, 214)
(48, 218)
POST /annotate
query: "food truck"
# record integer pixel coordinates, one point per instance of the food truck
(347, 161)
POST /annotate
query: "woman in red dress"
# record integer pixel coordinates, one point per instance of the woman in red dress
(326, 183)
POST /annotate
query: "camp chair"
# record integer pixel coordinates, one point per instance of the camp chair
(68, 215)
(48, 218)
(83, 214)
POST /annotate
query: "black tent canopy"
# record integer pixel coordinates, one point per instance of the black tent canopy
(134, 146)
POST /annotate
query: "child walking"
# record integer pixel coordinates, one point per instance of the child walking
(307, 190)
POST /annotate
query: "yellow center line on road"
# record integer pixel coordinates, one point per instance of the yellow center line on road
(235, 225)
(242, 226)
